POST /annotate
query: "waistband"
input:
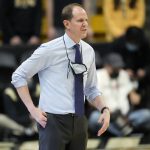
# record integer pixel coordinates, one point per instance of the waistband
(68, 114)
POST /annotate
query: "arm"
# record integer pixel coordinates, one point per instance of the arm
(35, 112)
(93, 96)
(25, 71)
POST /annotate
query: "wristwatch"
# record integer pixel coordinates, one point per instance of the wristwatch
(105, 107)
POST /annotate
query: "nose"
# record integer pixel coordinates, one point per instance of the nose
(85, 23)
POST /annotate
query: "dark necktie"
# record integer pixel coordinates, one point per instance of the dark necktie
(79, 94)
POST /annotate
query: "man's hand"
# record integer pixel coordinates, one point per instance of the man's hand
(39, 116)
(104, 119)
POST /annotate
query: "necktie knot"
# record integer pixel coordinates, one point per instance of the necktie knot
(76, 46)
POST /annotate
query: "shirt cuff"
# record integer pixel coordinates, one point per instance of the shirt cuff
(93, 96)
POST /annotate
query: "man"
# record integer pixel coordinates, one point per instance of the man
(134, 47)
(61, 125)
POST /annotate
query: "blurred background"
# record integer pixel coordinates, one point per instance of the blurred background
(119, 32)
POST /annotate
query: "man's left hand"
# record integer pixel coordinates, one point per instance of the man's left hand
(104, 119)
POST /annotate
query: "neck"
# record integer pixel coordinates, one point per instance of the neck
(73, 37)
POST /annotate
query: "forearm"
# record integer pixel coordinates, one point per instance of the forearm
(24, 94)
(36, 113)
(98, 103)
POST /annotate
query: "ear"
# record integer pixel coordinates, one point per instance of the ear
(66, 24)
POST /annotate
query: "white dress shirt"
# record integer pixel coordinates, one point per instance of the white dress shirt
(51, 63)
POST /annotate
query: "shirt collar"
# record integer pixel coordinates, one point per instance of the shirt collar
(69, 42)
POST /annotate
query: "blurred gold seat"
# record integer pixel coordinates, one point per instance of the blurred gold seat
(98, 26)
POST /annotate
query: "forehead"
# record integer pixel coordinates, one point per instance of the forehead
(78, 12)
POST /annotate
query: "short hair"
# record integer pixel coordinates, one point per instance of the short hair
(67, 11)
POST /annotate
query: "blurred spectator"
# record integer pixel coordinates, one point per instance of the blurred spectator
(15, 109)
(13, 106)
(120, 14)
(134, 48)
(13, 118)
(8, 125)
(139, 115)
(140, 106)
(115, 84)
(54, 8)
(21, 22)
(7, 65)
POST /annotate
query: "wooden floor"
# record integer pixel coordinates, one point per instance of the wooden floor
(124, 143)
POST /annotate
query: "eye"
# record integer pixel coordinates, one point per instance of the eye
(80, 20)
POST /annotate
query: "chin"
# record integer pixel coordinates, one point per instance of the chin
(84, 36)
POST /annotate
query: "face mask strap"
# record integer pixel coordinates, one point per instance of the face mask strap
(68, 70)
(70, 63)
(70, 66)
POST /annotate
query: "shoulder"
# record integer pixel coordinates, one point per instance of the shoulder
(86, 45)
(52, 43)
(47, 47)
(87, 48)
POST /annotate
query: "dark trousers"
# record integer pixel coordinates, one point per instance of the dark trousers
(63, 132)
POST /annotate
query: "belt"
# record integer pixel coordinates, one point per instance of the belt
(69, 114)
(72, 114)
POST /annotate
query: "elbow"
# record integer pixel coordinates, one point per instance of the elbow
(17, 80)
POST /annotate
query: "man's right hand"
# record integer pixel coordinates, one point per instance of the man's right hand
(40, 116)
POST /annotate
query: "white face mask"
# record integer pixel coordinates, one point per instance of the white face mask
(132, 47)
(77, 68)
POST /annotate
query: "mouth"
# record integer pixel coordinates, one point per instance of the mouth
(84, 30)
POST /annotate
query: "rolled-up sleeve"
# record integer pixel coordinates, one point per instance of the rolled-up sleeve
(91, 90)
(30, 67)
